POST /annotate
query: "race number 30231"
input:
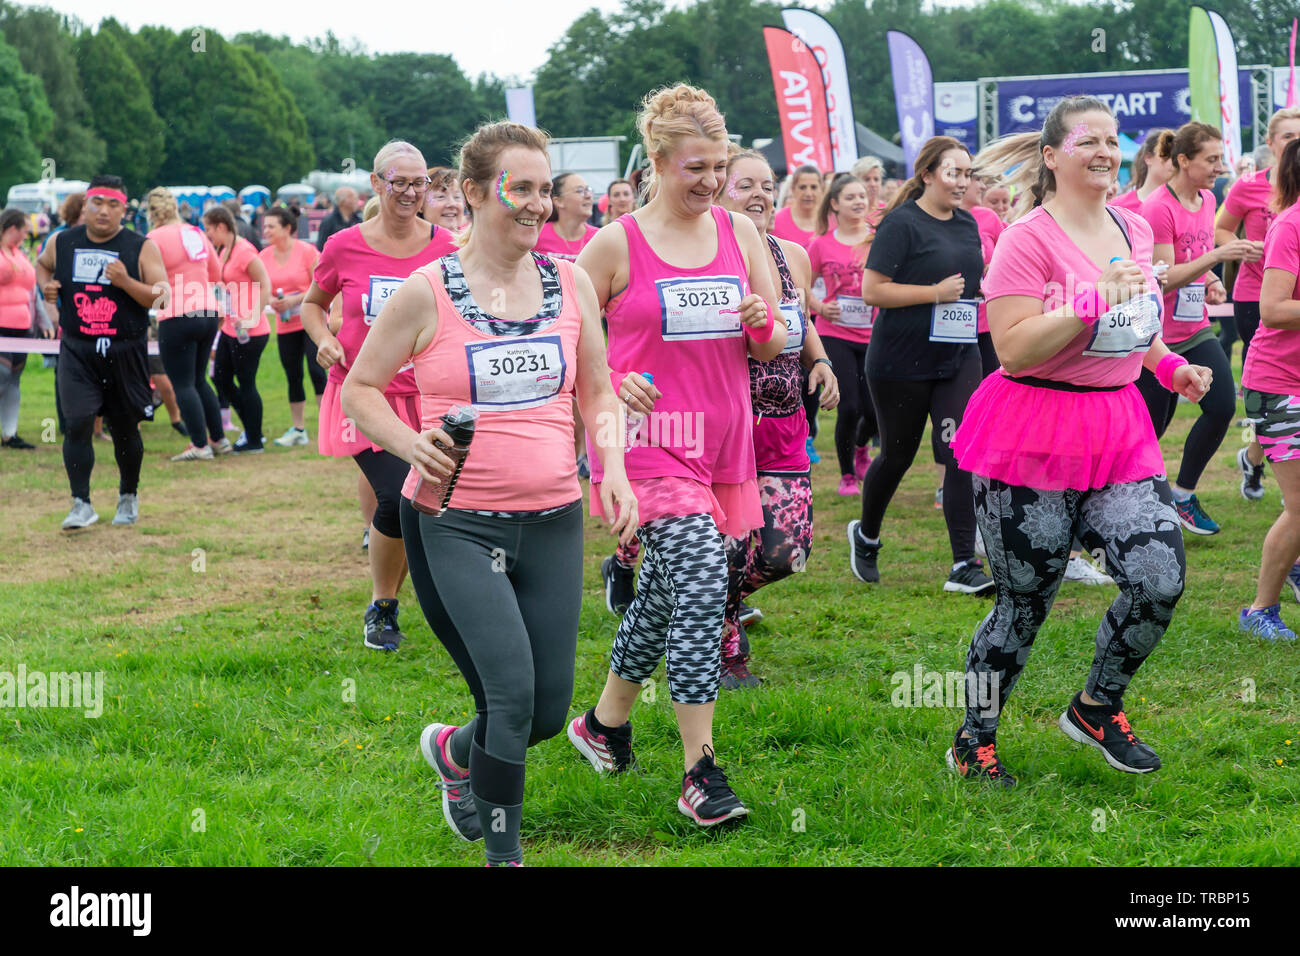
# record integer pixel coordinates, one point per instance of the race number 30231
(700, 307)
(516, 373)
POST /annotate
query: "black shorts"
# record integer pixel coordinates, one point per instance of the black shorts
(156, 365)
(112, 381)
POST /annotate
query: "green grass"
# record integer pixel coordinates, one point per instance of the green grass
(225, 676)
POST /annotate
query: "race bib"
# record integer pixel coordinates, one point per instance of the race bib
(819, 289)
(381, 289)
(854, 313)
(1190, 306)
(515, 373)
(1127, 328)
(954, 321)
(700, 307)
(793, 316)
(192, 242)
(88, 265)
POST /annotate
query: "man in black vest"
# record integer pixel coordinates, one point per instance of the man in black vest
(103, 277)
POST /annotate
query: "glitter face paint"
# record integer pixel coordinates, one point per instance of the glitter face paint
(1070, 143)
(734, 192)
(503, 191)
(388, 175)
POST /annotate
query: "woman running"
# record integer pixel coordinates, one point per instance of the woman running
(1272, 381)
(1181, 216)
(1074, 313)
(567, 232)
(675, 280)
(289, 263)
(1150, 172)
(843, 318)
(188, 323)
(245, 331)
(365, 264)
(499, 573)
(622, 200)
(781, 547)
(924, 274)
(21, 315)
(1249, 205)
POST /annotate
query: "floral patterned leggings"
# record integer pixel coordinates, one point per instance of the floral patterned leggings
(1131, 527)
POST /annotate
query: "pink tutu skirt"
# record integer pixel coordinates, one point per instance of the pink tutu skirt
(781, 444)
(1050, 439)
(338, 436)
(735, 509)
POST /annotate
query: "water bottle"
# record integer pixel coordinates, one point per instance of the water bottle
(634, 419)
(458, 423)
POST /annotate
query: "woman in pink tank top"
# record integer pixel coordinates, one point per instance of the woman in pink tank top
(675, 280)
(364, 265)
(496, 551)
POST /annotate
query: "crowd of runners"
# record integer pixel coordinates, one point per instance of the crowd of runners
(478, 347)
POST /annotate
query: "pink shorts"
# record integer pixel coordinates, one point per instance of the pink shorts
(338, 436)
(735, 509)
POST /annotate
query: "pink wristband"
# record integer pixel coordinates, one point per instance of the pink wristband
(1166, 367)
(765, 333)
(1088, 306)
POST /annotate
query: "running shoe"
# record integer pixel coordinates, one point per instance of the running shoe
(1109, 731)
(749, 615)
(195, 454)
(1265, 623)
(1194, 518)
(224, 447)
(861, 462)
(1293, 579)
(180, 429)
(706, 797)
(969, 578)
(365, 540)
(381, 630)
(735, 674)
(16, 443)
(1252, 477)
(227, 424)
(457, 802)
(620, 586)
(584, 469)
(608, 753)
(938, 500)
(812, 452)
(82, 515)
(294, 436)
(128, 509)
(848, 487)
(862, 556)
(242, 447)
(1082, 571)
(972, 758)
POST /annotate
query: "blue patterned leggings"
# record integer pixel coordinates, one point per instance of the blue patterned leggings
(1131, 527)
(681, 598)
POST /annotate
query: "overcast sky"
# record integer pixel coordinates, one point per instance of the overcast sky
(506, 37)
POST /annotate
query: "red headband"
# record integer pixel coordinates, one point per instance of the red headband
(106, 192)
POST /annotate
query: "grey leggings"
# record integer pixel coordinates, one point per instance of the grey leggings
(502, 594)
(678, 611)
(1027, 535)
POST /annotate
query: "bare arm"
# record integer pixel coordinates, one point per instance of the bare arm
(1277, 310)
(257, 272)
(758, 261)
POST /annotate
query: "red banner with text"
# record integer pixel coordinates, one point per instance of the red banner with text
(800, 100)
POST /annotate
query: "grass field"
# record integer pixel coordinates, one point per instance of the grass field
(227, 625)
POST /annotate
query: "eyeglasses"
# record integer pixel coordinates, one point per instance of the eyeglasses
(581, 191)
(402, 185)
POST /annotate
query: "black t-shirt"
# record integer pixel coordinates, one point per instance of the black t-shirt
(334, 223)
(90, 306)
(914, 248)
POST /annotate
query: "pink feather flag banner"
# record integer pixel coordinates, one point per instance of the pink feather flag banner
(1290, 86)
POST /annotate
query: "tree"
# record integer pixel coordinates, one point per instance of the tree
(121, 110)
(44, 46)
(26, 118)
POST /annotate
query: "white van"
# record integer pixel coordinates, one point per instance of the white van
(35, 197)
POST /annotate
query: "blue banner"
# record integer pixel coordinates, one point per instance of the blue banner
(1140, 101)
(956, 113)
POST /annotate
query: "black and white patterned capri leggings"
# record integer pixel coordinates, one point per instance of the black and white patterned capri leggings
(681, 598)
(1027, 534)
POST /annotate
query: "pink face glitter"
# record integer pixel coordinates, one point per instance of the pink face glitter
(503, 191)
(1069, 144)
(733, 191)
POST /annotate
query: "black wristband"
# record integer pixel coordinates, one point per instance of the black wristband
(826, 362)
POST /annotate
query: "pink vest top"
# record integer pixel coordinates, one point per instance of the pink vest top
(681, 325)
(521, 458)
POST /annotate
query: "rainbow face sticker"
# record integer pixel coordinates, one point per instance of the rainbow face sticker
(1071, 141)
(503, 190)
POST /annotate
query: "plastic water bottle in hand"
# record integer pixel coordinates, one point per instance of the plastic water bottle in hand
(458, 423)
(634, 419)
